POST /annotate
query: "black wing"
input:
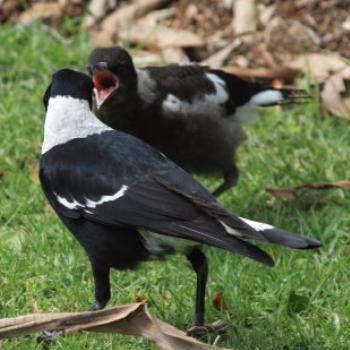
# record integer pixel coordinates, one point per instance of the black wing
(85, 179)
(117, 180)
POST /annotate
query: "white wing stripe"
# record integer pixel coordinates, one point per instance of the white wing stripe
(90, 203)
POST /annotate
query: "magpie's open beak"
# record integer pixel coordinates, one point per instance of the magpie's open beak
(105, 82)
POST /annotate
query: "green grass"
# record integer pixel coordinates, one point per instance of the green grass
(300, 304)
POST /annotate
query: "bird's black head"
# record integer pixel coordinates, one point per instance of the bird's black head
(67, 82)
(112, 71)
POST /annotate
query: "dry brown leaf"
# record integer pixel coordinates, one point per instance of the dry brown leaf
(139, 299)
(174, 55)
(218, 58)
(9, 7)
(289, 193)
(281, 73)
(321, 66)
(133, 319)
(149, 31)
(97, 10)
(144, 58)
(72, 8)
(124, 16)
(284, 193)
(218, 301)
(245, 17)
(332, 96)
(332, 71)
(40, 10)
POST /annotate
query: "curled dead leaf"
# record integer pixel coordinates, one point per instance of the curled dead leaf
(334, 98)
(133, 319)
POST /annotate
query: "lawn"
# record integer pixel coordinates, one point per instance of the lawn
(302, 303)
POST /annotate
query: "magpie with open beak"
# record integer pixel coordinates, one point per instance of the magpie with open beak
(126, 202)
(193, 114)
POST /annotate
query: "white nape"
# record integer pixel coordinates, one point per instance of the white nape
(258, 226)
(90, 203)
(266, 97)
(230, 230)
(69, 118)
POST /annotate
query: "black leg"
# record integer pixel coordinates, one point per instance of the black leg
(200, 266)
(230, 179)
(102, 286)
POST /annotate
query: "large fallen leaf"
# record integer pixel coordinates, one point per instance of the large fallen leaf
(8, 8)
(289, 193)
(97, 10)
(332, 72)
(51, 11)
(281, 73)
(334, 97)
(321, 66)
(151, 32)
(133, 319)
(245, 17)
(124, 16)
(218, 59)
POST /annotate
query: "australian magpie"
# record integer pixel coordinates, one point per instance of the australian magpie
(191, 113)
(126, 202)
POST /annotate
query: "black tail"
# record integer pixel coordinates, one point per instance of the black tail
(269, 96)
(292, 96)
(269, 234)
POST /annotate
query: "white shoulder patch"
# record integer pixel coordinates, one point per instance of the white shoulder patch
(258, 226)
(146, 86)
(221, 95)
(265, 98)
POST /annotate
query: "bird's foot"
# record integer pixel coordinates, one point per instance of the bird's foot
(98, 305)
(218, 327)
(49, 337)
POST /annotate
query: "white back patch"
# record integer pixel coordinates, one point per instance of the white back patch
(69, 118)
(146, 86)
(266, 97)
(258, 226)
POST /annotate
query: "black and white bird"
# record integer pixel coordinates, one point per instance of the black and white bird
(193, 114)
(125, 202)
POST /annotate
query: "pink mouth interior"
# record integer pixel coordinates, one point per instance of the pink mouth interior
(104, 84)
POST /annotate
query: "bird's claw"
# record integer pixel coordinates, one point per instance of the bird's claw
(216, 328)
(49, 337)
